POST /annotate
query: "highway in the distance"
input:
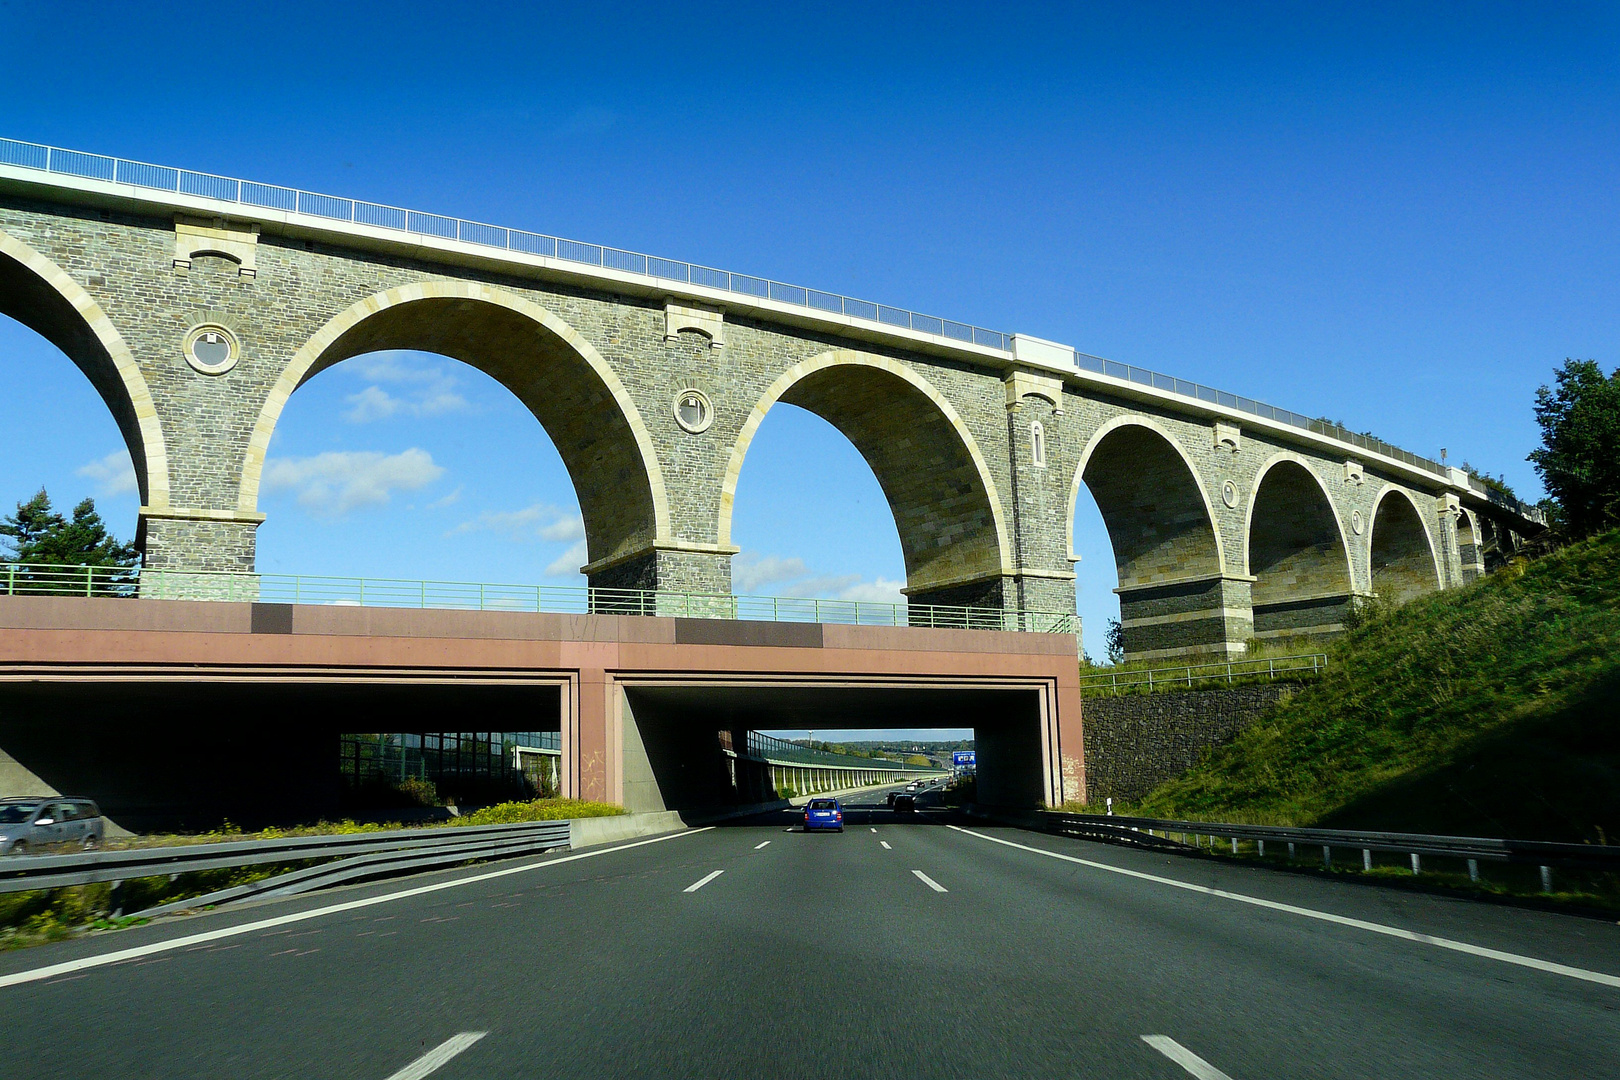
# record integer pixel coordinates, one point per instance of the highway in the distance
(899, 948)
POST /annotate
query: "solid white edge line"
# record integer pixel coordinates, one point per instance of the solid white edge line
(51, 971)
(886, 846)
(434, 1058)
(702, 881)
(758, 846)
(930, 882)
(1184, 1057)
(1531, 962)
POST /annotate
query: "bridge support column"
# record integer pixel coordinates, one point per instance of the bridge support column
(700, 569)
(187, 554)
(1209, 615)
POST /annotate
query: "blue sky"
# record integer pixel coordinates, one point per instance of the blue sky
(1385, 214)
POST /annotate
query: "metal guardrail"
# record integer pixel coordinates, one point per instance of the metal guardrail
(1227, 671)
(398, 219)
(1156, 832)
(20, 579)
(166, 178)
(406, 847)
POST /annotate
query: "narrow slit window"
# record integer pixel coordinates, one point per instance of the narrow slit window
(1037, 444)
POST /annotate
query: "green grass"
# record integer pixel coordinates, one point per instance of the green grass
(1489, 710)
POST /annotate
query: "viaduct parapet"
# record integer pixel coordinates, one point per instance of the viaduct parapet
(197, 307)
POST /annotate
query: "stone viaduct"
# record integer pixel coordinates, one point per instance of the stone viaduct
(198, 305)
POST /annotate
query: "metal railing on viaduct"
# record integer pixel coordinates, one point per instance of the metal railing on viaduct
(29, 579)
(393, 219)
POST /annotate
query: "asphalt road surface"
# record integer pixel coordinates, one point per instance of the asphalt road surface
(902, 947)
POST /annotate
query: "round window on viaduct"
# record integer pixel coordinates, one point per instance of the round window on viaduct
(693, 411)
(211, 349)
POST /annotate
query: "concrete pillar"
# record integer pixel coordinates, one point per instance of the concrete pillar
(1207, 615)
(1039, 465)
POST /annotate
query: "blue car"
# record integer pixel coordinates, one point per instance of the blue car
(823, 814)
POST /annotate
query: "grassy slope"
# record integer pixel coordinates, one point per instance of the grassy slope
(1491, 710)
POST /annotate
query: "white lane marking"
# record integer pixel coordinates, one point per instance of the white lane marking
(702, 881)
(52, 970)
(930, 882)
(758, 846)
(1548, 966)
(874, 830)
(430, 1061)
(886, 846)
(1184, 1057)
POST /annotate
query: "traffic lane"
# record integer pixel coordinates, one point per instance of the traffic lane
(172, 928)
(626, 975)
(343, 994)
(1568, 939)
(1267, 994)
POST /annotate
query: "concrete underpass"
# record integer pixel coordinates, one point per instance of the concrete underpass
(183, 714)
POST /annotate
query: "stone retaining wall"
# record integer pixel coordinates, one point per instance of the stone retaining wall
(1136, 742)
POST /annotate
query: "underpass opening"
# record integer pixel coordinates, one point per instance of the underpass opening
(1403, 559)
(681, 741)
(1297, 555)
(166, 755)
(1174, 594)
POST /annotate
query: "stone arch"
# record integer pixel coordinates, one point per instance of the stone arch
(557, 374)
(1296, 551)
(1402, 555)
(43, 297)
(1148, 525)
(1470, 544)
(939, 486)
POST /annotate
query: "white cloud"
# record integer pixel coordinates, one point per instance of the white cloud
(538, 522)
(449, 500)
(336, 482)
(750, 570)
(428, 389)
(569, 561)
(881, 591)
(113, 474)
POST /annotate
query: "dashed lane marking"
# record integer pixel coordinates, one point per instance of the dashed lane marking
(758, 846)
(1601, 978)
(434, 1058)
(886, 846)
(930, 882)
(1184, 1057)
(119, 956)
(702, 881)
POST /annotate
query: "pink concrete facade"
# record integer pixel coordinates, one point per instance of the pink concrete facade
(593, 659)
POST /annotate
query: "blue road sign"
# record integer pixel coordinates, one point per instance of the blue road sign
(960, 758)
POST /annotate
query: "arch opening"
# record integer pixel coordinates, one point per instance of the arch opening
(1297, 555)
(44, 298)
(416, 466)
(555, 374)
(933, 477)
(1174, 595)
(1403, 561)
(1470, 546)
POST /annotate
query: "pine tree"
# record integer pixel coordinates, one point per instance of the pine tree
(37, 534)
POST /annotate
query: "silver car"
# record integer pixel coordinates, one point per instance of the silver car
(44, 824)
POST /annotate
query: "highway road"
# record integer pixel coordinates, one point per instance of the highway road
(930, 947)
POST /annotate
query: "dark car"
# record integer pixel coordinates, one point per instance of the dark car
(892, 796)
(905, 803)
(824, 814)
(33, 825)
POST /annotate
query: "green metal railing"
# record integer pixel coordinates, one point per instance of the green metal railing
(1149, 680)
(29, 579)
